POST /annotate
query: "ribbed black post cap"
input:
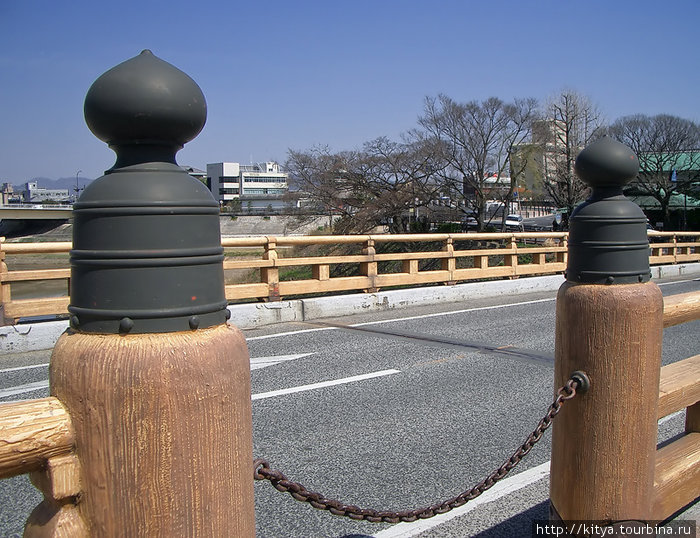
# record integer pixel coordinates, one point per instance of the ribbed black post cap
(147, 253)
(608, 241)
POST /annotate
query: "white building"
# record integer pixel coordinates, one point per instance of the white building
(232, 181)
(35, 194)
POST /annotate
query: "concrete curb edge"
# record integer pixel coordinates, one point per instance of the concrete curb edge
(37, 336)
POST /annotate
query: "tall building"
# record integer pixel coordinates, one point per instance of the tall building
(235, 181)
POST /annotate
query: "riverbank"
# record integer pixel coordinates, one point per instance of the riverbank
(230, 226)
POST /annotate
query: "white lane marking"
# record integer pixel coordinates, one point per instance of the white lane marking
(255, 363)
(30, 387)
(21, 389)
(676, 282)
(304, 331)
(264, 362)
(313, 386)
(466, 310)
(500, 489)
(424, 316)
(18, 368)
(290, 333)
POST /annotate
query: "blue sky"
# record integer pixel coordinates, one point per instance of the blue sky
(293, 74)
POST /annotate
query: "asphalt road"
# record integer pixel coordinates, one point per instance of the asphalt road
(446, 394)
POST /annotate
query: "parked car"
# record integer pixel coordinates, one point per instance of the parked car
(469, 223)
(514, 221)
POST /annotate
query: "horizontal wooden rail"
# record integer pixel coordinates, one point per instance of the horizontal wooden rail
(32, 432)
(677, 475)
(679, 386)
(278, 270)
(681, 308)
(677, 464)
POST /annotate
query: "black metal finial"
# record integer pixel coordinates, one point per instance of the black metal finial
(145, 109)
(147, 253)
(608, 241)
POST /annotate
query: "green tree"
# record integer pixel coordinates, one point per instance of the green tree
(668, 148)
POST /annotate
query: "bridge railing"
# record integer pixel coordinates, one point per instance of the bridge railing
(38, 436)
(282, 266)
(677, 464)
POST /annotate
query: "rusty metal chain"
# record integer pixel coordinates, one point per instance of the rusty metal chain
(262, 471)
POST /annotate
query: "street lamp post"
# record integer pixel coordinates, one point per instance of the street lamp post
(77, 187)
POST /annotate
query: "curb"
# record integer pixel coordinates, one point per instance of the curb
(43, 335)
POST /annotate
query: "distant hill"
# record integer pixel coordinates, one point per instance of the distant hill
(60, 183)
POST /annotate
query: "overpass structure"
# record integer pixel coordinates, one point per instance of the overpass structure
(35, 212)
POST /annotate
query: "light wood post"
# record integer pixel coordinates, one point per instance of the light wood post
(604, 441)
(450, 263)
(369, 268)
(163, 430)
(5, 290)
(271, 275)
(58, 516)
(511, 260)
(609, 323)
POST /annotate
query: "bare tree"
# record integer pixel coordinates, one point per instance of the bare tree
(572, 121)
(394, 180)
(378, 185)
(476, 140)
(322, 179)
(668, 148)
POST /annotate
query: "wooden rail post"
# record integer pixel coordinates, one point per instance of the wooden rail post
(609, 325)
(369, 268)
(449, 264)
(5, 291)
(271, 275)
(156, 384)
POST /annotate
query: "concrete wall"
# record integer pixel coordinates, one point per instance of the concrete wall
(276, 225)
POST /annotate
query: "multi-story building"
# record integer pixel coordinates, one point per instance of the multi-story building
(35, 194)
(255, 186)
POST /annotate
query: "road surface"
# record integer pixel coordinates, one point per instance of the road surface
(392, 411)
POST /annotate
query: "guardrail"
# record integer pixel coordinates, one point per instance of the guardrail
(280, 267)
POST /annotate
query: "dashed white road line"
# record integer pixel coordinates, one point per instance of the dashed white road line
(30, 387)
(322, 384)
(21, 389)
(264, 362)
(19, 368)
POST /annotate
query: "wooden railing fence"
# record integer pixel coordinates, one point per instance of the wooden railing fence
(677, 467)
(37, 437)
(279, 271)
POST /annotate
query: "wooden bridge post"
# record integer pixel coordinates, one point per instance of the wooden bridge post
(5, 290)
(271, 275)
(609, 325)
(156, 383)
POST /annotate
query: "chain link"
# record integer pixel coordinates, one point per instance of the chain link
(262, 471)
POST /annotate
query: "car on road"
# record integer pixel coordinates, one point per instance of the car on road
(469, 222)
(514, 221)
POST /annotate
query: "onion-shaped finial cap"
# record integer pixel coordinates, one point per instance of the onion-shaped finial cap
(607, 163)
(145, 100)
